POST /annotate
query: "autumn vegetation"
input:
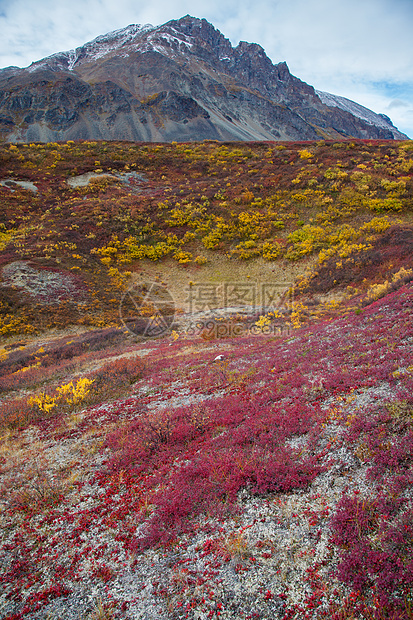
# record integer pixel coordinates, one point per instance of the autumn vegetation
(143, 478)
(188, 202)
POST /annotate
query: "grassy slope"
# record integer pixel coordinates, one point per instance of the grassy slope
(145, 480)
(273, 209)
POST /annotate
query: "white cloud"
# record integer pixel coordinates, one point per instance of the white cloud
(397, 103)
(402, 117)
(33, 29)
(349, 47)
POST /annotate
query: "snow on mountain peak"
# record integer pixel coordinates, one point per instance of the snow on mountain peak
(167, 41)
(164, 39)
(92, 50)
(356, 109)
(104, 44)
(378, 120)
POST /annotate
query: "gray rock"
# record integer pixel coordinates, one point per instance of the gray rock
(181, 81)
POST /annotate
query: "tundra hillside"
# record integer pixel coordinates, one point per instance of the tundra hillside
(143, 478)
(78, 219)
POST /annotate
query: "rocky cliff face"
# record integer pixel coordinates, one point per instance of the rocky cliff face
(180, 81)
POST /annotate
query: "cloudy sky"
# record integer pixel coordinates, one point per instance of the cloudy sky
(360, 49)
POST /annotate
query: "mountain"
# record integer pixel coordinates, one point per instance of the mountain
(181, 81)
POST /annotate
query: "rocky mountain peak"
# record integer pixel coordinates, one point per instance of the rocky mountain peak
(244, 48)
(203, 39)
(198, 28)
(182, 80)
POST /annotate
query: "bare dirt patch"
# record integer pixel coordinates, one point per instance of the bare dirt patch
(132, 179)
(46, 286)
(218, 271)
(12, 185)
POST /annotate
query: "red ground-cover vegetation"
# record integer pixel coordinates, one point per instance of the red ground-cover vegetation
(180, 498)
(25, 365)
(148, 479)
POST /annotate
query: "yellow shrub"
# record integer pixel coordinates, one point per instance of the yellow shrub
(377, 224)
(10, 324)
(385, 204)
(183, 257)
(211, 240)
(4, 354)
(305, 240)
(271, 250)
(377, 290)
(351, 248)
(402, 273)
(263, 322)
(69, 393)
(299, 311)
(246, 249)
(118, 279)
(43, 401)
(361, 180)
(200, 260)
(305, 154)
(335, 173)
(74, 394)
(394, 189)
(5, 238)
